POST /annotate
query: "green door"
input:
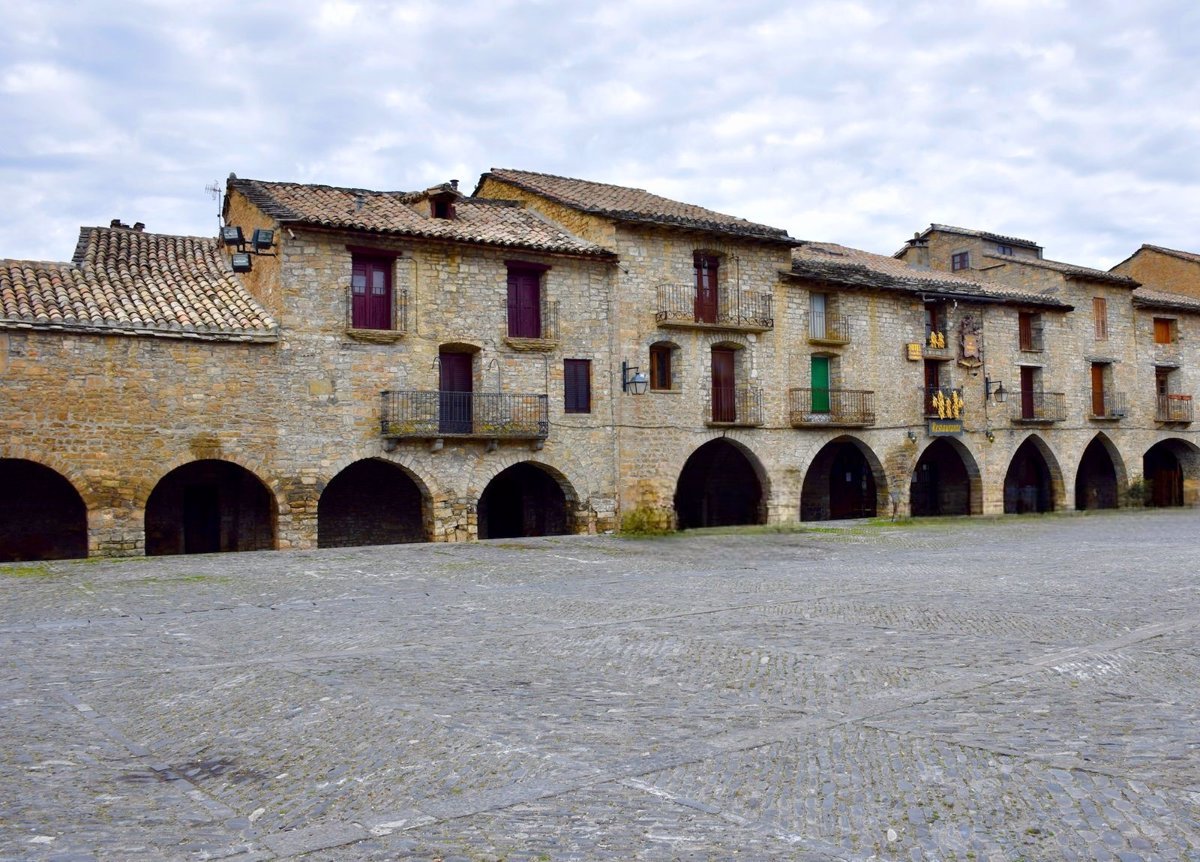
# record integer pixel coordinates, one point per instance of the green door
(820, 384)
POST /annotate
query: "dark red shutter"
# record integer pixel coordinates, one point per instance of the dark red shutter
(577, 385)
(706, 289)
(454, 401)
(371, 294)
(724, 401)
(524, 304)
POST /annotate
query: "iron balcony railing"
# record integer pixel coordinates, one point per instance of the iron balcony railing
(828, 328)
(944, 402)
(411, 413)
(1174, 408)
(1032, 406)
(536, 323)
(734, 405)
(725, 308)
(1106, 405)
(831, 407)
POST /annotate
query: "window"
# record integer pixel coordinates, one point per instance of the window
(935, 326)
(577, 386)
(960, 260)
(707, 267)
(1005, 250)
(524, 301)
(817, 304)
(1101, 372)
(371, 293)
(1164, 330)
(1100, 313)
(660, 366)
(1029, 331)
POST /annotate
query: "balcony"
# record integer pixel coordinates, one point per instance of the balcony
(682, 306)
(1173, 408)
(831, 408)
(384, 336)
(1107, 405)
(535, 330)
(736, 406)
(1032, 406)
(482, 415)
(943, 402)
(827, 329)
(937, 344)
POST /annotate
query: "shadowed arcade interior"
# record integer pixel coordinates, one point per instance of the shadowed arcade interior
(523, 500)
(1029, 483)
(719, 487)
(1096, 482)
(371, 502)
(209, 506)
(840, 483)
(943, 484)
(42, 516)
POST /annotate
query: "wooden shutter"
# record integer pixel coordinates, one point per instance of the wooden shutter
(660, 368)
(724, 394)
(1100, 312)
(577, 386)
(371, 293)
(524, 304)
(1162, 330)
(706, 288)
(820, 384)
(455, 383)
(1098, 390)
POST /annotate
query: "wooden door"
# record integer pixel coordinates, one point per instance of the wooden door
(724, 393)
(1028, 396)
(1098, 408)
(371, 294)
(819, 378)
(454, 401)
(933, 382)
(524, 304)
(201, 519)
(706, 289)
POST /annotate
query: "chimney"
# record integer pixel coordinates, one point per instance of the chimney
(454, 184)
(139, 226)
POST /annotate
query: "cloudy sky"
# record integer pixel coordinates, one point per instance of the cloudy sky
(1075, 124)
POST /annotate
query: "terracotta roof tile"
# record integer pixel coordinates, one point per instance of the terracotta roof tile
(130, 282)
(1067, 269)
(853, 267)
(634, 205)
(1191, 256)
(499, 223)
(1148, 298)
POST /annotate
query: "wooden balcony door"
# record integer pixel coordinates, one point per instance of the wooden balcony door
(819, 377)
(724, 393)
(1028, 397)
(455, 383)
(1098, 389)
(706, 289)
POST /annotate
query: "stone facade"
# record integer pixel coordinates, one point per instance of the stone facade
(787, 380)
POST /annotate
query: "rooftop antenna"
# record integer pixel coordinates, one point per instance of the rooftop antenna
(214, 192)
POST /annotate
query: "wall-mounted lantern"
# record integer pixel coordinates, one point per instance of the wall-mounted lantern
(994, 389)
(633, 379)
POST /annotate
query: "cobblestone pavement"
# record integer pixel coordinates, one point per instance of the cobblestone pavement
(1021, 688)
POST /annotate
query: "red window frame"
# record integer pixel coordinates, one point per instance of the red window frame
(577, 386)
(660, 367)
(371, 292)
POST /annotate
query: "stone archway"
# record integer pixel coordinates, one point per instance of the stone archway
(209, 506)
(372, 502)
(42, 516)
(1171, 469)
(945, 481)
(1033, 480)
(524, 500)
(1098, 480)
(719, 485)
(844, 480)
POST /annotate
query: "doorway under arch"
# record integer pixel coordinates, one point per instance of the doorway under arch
(1029, 484)
(719, 486)
(1170, 469)
(372, 502)
(524, 500)
(843, 481)
(945, 481)
(209, 506)
(1097, 483)
(42, 516)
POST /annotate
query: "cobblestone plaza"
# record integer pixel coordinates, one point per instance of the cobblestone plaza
(1024, 688)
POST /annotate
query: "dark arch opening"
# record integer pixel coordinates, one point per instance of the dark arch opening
(718, 487)
(523, 500)
(942, 483)
(371, 502)
(1166, 467)
(209, 506)
(42, 516)
(1096, 484)
(1028, 484)
(840, 483)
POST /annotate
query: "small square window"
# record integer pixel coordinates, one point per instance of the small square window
(1005, 250)
(660, 367)
(960, 260)
(1164, 330)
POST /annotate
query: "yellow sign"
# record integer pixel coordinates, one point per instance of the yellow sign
(914, 351)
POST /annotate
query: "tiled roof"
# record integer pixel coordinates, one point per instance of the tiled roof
(1189, 256)
(981, 234)
(633, 205)
(128, 282)
(1068, 269)
(852, 267)
(499, 223)
(1146, 297)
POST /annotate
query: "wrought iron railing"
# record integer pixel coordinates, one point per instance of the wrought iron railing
(944, 402)
(1033, 406)
(826, 407)
(411, 413)
(1174, 408)
(725, 308)
(733, 405)
(828, 328)
(1111, 405)
(545, 327)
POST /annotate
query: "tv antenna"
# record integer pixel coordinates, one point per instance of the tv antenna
(214, 192)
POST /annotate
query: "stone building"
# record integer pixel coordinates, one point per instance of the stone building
(548, 355)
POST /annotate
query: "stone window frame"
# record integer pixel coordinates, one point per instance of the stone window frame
(672, 353)
(960, 260)
(397, 312)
